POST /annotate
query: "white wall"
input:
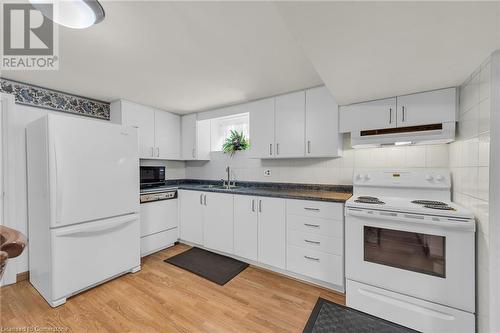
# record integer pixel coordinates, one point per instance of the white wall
(469, 163)
(319, 170)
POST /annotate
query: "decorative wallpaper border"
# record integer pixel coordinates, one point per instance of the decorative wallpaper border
(31, 95)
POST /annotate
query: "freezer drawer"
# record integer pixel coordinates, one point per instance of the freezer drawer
(87, 254)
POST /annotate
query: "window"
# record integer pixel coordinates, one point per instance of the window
(221, 128)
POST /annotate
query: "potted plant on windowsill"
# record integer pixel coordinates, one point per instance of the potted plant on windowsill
(236, 141)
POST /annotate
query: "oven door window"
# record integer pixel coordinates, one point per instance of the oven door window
(411, 251)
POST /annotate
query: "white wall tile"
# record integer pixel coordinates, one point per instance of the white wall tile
(416, 157)
(469, 94)
(484, 116)
(436, 156)
(484, 81)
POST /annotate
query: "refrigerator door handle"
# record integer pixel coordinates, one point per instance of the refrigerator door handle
(83, 230)
(59, 196)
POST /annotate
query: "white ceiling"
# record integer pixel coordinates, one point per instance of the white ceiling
(370, 50)
(190, 56)
(179, 56)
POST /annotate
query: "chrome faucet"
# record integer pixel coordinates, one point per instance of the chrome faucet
(227, 183)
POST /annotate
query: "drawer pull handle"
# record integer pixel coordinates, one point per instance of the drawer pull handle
(312, 242)
(313, 209)
(311, 258)
(311, 225)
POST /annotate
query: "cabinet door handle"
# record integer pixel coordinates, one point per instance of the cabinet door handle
(403, 109)
(157, 151)
(201, 199)
(253, 205)
(311, 258)
(277, 149)
(311, 225)
(270, 149)
(390, 115)
(260, 206)
(313, 209)
(308, 147)
(312, 242)
(152, 152)
(205, 199)
(193, 153)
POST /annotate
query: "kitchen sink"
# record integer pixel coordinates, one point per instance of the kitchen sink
(220, 187)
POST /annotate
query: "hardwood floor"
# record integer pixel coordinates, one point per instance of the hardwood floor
(164, 298)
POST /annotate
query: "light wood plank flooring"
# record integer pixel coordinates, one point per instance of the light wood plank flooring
(164, 298)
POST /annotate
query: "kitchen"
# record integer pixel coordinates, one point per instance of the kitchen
(283, 198)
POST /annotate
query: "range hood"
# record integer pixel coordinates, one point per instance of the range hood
(422, 134)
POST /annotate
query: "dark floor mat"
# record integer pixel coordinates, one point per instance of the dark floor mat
(328, 317)
(211, 266)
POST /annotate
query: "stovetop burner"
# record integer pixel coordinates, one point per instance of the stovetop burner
(440, 207)
(369, 200)
(429, 202)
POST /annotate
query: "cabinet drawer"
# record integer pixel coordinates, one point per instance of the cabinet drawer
(327, 210)
(315, 225)
(332, 245)
(319, 265)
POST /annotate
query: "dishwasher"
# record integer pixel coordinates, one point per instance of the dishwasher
(159, 222)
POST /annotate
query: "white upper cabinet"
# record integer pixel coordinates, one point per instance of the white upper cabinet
(290, 125)
(262, 128)
(159, 131)
(426, 108)
(368, 115)
(432, 107)
(168, 135)
(322, 121)
(300, 124)
(140, 117)
(195, 142)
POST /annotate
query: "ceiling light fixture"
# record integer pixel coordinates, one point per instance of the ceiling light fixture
(76, 14)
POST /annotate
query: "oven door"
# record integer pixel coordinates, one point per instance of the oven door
(393, 252)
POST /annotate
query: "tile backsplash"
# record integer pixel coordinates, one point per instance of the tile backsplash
(319, 170)
(469, 158)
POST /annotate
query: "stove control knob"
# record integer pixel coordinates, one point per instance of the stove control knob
(359, 177)
(439, 178)
(429, 178)
(366, 177)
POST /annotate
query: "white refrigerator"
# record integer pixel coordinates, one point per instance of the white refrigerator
(83, 204)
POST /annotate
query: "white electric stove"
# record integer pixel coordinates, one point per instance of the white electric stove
(410, 251)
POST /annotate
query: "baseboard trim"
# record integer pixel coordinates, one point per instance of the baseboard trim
(22, 276)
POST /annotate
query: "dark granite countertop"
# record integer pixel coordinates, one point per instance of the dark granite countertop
(317, 192)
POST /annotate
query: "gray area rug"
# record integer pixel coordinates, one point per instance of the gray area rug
(211, 266)
(328, 317)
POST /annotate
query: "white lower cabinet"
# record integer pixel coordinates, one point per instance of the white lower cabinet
(316, 264)
(296, 236)
(191, 216)
(271, 232)
(245, 226)
(218, 221)
(315, 240)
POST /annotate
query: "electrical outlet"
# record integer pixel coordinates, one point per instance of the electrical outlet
(267, 173)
